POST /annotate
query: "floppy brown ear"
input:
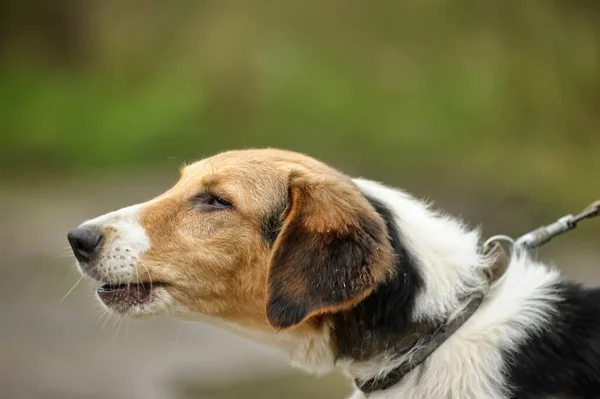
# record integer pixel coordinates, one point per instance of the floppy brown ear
(332, 251)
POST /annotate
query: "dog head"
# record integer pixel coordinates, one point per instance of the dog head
(266, 239)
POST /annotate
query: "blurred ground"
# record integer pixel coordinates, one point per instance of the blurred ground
(62, 349)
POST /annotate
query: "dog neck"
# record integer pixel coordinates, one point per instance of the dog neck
(438, 274)
(437, 249)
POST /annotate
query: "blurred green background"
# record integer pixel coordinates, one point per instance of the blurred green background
(491, 108)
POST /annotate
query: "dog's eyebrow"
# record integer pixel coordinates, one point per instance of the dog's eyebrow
(211, 181)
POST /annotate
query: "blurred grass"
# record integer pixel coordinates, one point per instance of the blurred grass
(505, 95)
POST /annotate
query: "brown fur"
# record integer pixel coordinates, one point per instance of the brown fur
(218, 263)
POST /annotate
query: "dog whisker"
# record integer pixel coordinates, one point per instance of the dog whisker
(72, 288)
(118, 323)
(149, 276)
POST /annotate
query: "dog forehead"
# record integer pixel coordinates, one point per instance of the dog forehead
(258, 178)
(249, 180)
(233, 174)
(272, 162)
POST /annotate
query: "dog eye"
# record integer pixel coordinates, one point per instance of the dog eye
(210, 202)
(219, 202)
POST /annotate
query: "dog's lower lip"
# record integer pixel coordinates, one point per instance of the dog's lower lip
(122, 297)
(144, 287)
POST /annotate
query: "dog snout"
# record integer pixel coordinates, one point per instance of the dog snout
(85, 242)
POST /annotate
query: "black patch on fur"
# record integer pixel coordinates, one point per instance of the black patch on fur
(563, 361)
(377, 323)
(272, 223)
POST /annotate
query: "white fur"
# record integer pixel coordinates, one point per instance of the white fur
(124, 243)
(445, 252)
(470, 363)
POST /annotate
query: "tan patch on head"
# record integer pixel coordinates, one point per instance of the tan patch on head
(216, 261)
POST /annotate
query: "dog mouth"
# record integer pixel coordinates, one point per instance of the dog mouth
(123, 296)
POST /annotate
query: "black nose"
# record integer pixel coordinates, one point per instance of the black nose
(84, 242)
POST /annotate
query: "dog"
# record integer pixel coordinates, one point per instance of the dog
(341, 272)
